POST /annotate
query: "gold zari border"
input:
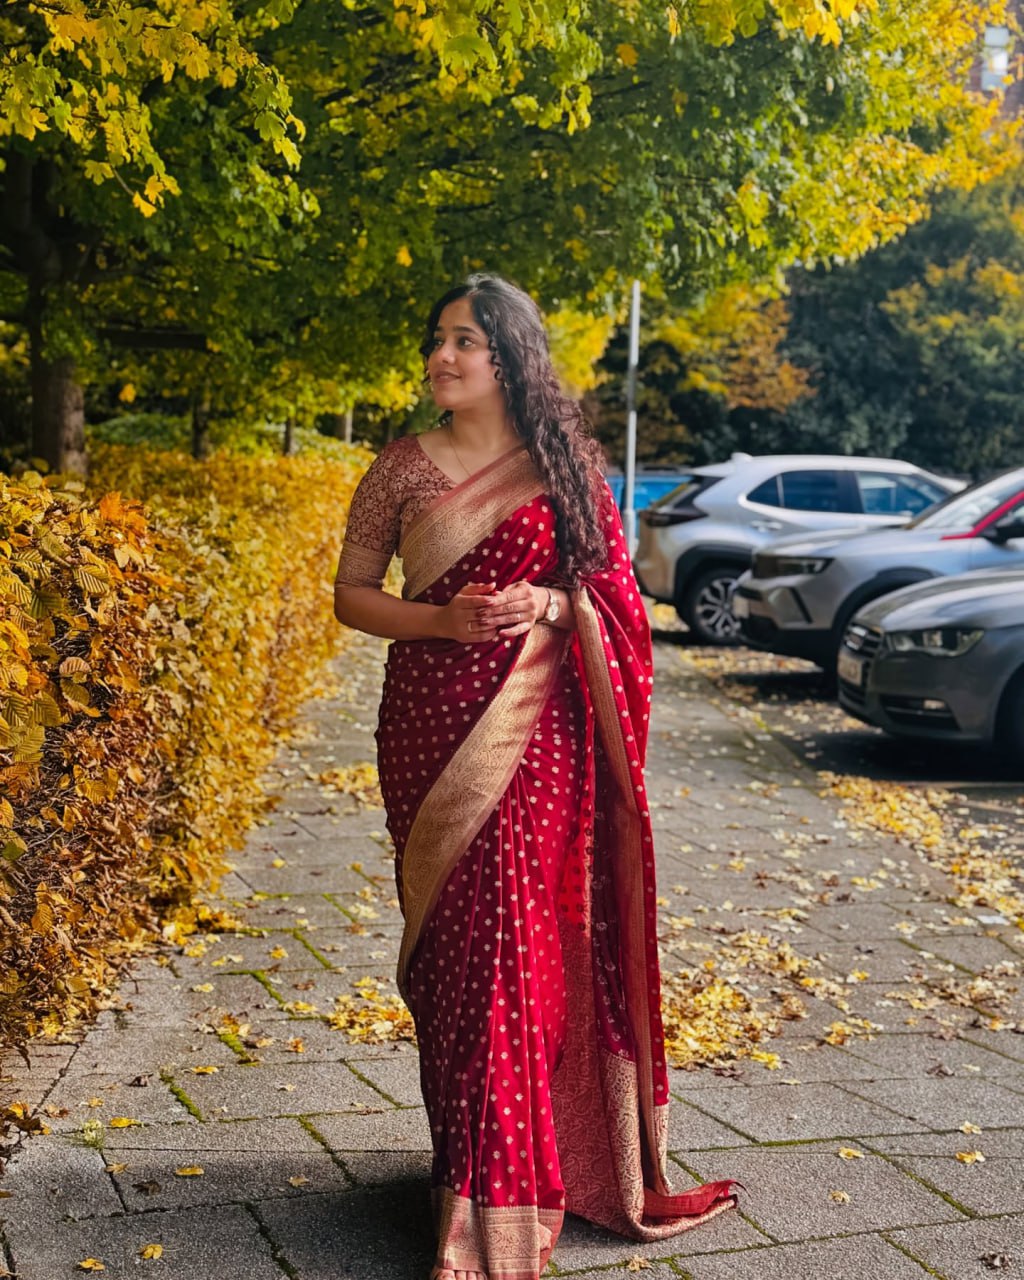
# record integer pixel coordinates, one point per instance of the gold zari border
(476, 778)
(628, 871)
(451, 527)
(360, 566)
(510, 1243)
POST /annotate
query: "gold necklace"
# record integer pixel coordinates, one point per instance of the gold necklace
(451, 441)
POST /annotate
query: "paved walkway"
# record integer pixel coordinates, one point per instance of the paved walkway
(264, 1144)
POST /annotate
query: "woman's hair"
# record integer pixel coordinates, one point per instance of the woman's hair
(550, 424)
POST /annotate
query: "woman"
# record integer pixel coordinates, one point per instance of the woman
(511, 741)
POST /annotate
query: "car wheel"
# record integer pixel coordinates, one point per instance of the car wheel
(706, 606)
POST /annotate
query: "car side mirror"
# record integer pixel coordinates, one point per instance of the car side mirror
(1005, 530)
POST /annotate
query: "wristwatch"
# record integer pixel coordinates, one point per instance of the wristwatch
(554, 607)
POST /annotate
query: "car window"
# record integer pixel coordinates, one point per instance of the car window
(687, 491)
(817, 491)
(1014, 512)
(883, 494)
(767, 493)
(650, 489)
(964, 510)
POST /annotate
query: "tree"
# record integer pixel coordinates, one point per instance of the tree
(89, 97)
(698, 165)
(714, 380)
(571, 146)
(918, 350)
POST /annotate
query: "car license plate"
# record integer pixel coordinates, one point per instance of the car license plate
(850, 668)
(740, 606)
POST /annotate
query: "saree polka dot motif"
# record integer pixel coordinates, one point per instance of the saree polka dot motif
(512, 772)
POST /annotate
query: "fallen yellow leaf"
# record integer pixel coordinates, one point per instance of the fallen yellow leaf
(123, 1122)
(295, 1045)
(151, 1251)
(189, 1171)
(204, 1071)
(278, 953)
(203, 986)
(91, 1264)
(850, 1153)
(116, 1167)
(970, 1157)
(638, 1264)
(967, 1127)
(840, 1197)
(298, 1180)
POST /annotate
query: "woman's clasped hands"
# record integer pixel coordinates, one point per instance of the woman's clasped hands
(481, 612)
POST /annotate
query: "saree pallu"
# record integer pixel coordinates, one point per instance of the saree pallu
(512, 772)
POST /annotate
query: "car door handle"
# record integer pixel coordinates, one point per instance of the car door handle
(766, 526)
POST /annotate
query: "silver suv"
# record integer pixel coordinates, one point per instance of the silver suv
(695, 542)
(801, 592)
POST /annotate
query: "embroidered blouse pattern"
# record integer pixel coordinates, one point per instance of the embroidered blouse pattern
(400, 482)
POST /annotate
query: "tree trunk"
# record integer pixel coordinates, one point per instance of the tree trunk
(339, 425)
(288, 443)
(58, 406)
(27, 220)
(201, 426)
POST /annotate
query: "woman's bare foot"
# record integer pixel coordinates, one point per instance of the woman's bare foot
(446, 1273)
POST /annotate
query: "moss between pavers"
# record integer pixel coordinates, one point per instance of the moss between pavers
(180, 1094)
(924, 1182)
(253, 1209)
(939, 1275)
(311, 1129)
(376, 1087)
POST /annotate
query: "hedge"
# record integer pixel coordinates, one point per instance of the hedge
(149, 657)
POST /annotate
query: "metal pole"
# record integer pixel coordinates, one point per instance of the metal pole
(629, 484)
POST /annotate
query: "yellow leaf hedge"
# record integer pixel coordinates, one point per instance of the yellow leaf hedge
(149, 655)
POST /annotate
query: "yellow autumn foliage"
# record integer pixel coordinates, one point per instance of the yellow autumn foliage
(149, 657)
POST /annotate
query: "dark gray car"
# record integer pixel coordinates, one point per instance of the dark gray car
(943, 659)
(801, 593)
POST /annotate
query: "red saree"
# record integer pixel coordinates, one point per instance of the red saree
(513, 777)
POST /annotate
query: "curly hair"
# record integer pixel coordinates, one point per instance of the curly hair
(550, 424)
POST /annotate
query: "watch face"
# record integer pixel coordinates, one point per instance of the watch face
(553, 610)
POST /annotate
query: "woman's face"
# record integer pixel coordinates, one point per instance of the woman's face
(459, 367)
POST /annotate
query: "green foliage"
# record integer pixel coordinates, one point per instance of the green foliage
(918, 350)
(91, 81)
(170, 431)
(568, 145)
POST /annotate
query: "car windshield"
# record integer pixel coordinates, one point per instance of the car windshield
(964, 510)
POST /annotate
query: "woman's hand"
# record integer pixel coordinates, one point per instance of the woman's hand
(463, 618)
(515, 610)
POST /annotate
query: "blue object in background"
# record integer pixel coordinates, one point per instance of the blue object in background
(647, 489)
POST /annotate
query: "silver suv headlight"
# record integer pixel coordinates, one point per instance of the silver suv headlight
(792, 566)
(939, 642)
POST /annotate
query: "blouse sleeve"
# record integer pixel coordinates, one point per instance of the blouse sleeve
(371, 534)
